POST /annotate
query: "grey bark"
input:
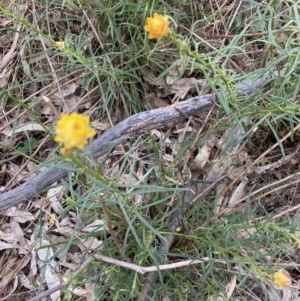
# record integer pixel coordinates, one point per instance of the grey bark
(135, 124)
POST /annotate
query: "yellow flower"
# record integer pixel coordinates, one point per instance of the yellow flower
(60, 44)
(281, 278)
(52, 219)
(73, 131)
(158, 26)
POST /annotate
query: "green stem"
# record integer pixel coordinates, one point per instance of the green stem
(92, 173)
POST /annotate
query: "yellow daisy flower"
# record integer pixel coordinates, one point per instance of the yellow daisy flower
(157, 26)
(73, 131)
(281, 278)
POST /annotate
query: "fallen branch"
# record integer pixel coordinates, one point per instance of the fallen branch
(133, 125)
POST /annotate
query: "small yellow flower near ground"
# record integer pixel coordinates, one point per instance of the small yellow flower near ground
(281, 278)
(73, 131)
(157, 26)
(52, 219)
(60, 44)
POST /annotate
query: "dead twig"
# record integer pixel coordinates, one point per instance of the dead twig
(62, 285)
(143, 270)
(47, 292)
(11, 53)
